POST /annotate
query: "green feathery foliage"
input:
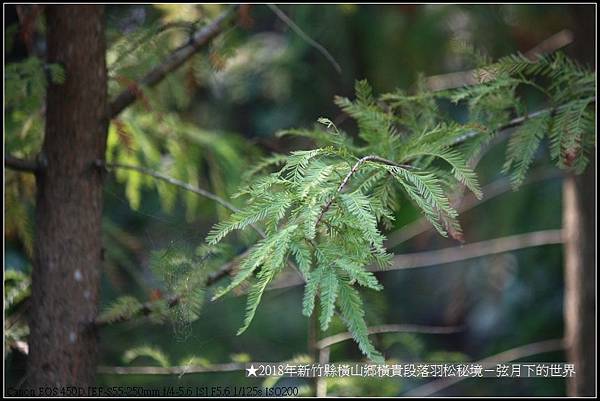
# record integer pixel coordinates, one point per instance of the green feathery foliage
(122, 308)
(325, 209)
(568, 122)
(322, 208)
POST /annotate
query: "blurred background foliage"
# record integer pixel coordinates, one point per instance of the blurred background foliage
(210, 121)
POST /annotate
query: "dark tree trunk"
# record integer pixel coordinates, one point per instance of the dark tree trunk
(580, 277)
(66, 271)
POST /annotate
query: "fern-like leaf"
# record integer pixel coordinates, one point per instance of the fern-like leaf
(352, 311)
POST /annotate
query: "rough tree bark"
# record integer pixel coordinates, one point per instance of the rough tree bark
(66, 271)
(580, 277)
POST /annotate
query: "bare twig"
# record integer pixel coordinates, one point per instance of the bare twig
(170, 180)
(171, 370)
(288, 21)
(476, 249)
(391, 328)
(473, 77)
(173, 61)
(503, 357)
(14, 163)
(457, 253)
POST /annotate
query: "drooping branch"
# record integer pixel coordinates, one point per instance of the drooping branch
(169, 180)
(197, 41)
(177, 183)
(510, 355)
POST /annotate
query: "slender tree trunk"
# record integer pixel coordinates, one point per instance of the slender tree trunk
(579, 221)
(580, 277)
(66, 271)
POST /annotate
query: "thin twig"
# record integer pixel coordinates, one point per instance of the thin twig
(391, 328)
(170, 180)
(178, 183)
(512, 354)
(288, 21)
(197, 41)
(476, 250)
(462, 78)
(458, 253)
(17, 164)
(171, 370)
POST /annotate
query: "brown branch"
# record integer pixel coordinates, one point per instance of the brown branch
(458, 253)
(172, 370)
(391, 328)
(170, 180)
(14, 163)
(430, 388)
(476, 249)
(512, 354)
(173, 61)
(473, 77)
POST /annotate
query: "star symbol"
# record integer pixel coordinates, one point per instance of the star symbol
(251, 371)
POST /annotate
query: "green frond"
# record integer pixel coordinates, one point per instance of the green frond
(297, 163)
(273, 160)
(460, 169)
(522, 147)
(303, 256)
(269, 207)
(359, 274)
(329, 291)
(335, 138)
(351, 309)
(269, 270)
(569, 132)
(315, 176)
(375, 125)
(359, 206)
(124, 308)
(310, 291)
(17, 287)
(425, 189)
(262, 252)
